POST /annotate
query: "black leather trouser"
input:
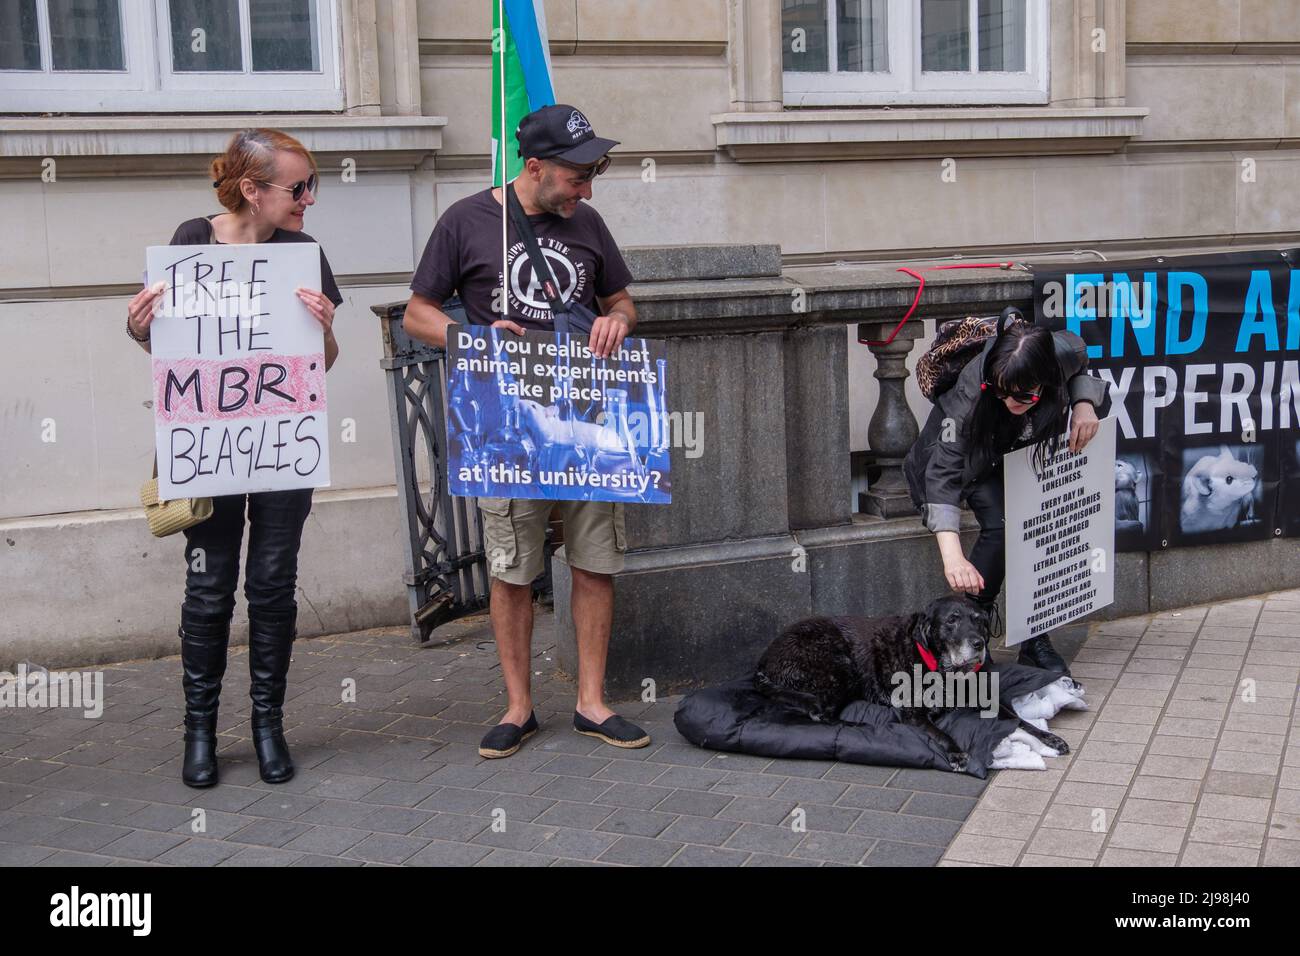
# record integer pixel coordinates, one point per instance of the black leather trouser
(275, 523)
(989, 555)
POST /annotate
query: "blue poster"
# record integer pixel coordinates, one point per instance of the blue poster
(539, 416)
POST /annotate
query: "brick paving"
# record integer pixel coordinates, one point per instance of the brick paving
(393, 777)
(1189, 757)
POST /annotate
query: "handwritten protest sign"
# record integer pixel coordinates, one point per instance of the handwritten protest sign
(238, 370)
(539, 416)
(1060, 528)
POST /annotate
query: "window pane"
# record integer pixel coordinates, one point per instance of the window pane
(804, 43)
(86, 35)
(20, 38)
(285, 36)
(945, 36)
(1002, 36)
(217, 47)
(862, 36)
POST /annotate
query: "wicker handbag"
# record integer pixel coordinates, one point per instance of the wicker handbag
(168, 517)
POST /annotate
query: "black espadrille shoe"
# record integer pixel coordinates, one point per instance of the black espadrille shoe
(615, 730)
(504, 739)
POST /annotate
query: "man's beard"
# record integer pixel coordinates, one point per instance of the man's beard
(547, 199)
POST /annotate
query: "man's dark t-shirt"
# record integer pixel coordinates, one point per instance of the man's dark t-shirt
(464, 255)
(198, 232)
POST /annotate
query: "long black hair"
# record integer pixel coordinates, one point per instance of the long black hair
(1023, 358)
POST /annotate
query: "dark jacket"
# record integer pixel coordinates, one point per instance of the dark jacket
(940, 473)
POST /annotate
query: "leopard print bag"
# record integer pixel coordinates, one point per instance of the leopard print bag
(956, 342)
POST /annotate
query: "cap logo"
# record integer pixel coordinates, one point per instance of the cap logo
(578, 124)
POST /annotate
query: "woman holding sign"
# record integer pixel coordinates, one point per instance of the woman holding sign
(1023, 388)
(266, 180)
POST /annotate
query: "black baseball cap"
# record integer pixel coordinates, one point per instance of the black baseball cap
(561, 132)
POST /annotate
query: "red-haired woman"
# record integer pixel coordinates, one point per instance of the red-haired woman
(266, 180)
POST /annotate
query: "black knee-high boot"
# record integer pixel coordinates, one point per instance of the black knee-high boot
(204, 641)
(270, 645)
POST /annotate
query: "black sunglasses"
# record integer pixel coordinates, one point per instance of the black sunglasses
(1024, 398)
(587, 173)
(297, 189)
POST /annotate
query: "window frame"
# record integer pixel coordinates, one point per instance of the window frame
(135, 57)
(904, 84)
(148, 84)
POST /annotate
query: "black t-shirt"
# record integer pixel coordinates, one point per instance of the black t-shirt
(198, 232)
(463, 256)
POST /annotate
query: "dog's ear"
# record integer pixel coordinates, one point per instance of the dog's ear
(919, 628)
(994, 618)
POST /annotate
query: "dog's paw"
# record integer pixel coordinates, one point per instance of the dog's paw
(958, 761)
(1055, 743)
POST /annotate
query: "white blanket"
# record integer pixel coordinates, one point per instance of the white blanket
(1022, 751)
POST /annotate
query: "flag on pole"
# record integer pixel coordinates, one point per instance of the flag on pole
(521, 77)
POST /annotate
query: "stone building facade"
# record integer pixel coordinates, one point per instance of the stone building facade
(1135, 125)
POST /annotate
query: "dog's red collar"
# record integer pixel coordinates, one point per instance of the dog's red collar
(931, 663)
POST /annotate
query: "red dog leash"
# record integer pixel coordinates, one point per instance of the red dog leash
(921, 288)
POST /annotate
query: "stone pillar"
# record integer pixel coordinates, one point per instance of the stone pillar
(893, 428)
(754, 55)
(1088, 53)
(818, 475)
(360, 58)
(398, 40)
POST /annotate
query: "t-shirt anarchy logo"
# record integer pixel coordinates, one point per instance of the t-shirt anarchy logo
(526, 294)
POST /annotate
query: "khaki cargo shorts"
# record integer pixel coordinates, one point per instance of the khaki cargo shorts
(514, 531)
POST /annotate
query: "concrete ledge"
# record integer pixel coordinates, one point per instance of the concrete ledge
(828, 134)
(95, 586)
(714, 261)
(820, 295)
(100, 146)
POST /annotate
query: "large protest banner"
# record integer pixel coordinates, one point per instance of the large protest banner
(1202, 355)
(539, 416)
(238, 370)
(1060, 528)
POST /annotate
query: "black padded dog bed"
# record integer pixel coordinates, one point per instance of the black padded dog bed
(737, 718)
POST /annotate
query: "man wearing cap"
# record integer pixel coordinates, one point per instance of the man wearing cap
(562, 155)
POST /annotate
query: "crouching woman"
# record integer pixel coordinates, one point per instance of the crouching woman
(1022, 390)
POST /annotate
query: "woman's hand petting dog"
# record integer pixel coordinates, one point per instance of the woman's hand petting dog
(963, 576)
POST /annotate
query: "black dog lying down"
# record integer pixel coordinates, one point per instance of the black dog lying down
(820, 665)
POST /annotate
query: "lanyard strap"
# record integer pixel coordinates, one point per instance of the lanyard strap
(541, 266)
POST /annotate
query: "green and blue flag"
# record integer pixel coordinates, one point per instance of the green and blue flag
(521, 78)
